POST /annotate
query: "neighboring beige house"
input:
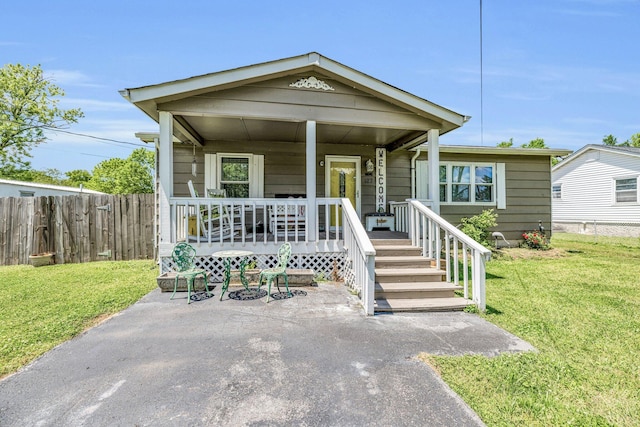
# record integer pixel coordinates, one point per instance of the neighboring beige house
(305, 148)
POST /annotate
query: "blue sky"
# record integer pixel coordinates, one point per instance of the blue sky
(567, 71)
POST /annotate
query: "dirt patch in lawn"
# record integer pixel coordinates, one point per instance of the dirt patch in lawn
(524, 253)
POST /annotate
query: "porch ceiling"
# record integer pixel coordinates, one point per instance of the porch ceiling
(242, 129)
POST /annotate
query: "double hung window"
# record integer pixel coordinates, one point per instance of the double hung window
(626, 190)
(467, 183)
(241, 175)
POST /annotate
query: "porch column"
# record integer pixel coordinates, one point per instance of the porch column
(434, 168)
(311, 179)
(165, 175)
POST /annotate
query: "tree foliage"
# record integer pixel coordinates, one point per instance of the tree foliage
(612, 141)
(505, 144)
(535, 143)
(125, 176)
(28, 106)
(76, 177)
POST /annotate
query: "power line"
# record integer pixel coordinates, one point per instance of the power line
(94, 137)
(481, 84)
(105, 140)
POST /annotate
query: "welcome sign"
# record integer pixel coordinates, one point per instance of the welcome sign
(381, 179)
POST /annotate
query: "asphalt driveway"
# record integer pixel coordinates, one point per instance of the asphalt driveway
(311, 360)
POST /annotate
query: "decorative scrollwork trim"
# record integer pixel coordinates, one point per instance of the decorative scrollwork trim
(311, 83)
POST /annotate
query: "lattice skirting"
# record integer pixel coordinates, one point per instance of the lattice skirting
(329, 265)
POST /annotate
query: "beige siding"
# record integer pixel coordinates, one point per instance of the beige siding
(528, 183)
(528, 186)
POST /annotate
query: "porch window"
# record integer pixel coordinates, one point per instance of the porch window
(467, 183)
(626, 190)
(241, 175)
(234, 176)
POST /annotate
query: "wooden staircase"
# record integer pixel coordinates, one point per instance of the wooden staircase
(407, 281)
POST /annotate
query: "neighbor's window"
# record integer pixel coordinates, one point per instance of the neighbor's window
(556, 191)
(467, 183)
(234, 176)
(627, 190)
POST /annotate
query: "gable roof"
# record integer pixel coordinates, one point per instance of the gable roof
(147, 98)
(626, 151)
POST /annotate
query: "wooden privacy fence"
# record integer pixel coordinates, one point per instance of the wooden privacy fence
(83, 228)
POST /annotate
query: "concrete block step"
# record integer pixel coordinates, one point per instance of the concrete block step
(421, 305)
(415, 290)
(296, 276)
(414, 274)
(402, 261)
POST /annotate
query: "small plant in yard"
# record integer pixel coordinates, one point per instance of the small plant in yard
(536, 240)
(477, 227)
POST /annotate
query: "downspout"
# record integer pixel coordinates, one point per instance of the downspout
(413, 173)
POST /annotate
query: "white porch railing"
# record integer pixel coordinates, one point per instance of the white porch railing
(360, 257)
(443, 242)
(227, 223)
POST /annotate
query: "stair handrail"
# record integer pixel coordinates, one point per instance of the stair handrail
(420, 227)
(360, 257)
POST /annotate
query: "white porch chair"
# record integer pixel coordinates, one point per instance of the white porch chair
(287, 219)
(217, 223)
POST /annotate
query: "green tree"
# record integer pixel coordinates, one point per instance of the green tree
(634, 141)
(76, 177)
(505, 144)
(125, 176)
(610, 140)
(535, 143)
(28, 106)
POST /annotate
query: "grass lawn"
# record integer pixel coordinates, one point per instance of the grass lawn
(580, 307)
(45, 306)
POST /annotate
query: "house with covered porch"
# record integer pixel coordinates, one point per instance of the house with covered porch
(312, 152)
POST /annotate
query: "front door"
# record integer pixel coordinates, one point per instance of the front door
(342, 179)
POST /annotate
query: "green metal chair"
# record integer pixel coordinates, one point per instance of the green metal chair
(271, 274)
(183, 257)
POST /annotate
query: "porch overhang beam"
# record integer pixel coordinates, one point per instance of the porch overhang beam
(232, 108)
(188, 131)
(407, 143)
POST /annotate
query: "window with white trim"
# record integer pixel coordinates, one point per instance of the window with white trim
(626, 190)
(467, 183)
(241, 175)
(556, 191)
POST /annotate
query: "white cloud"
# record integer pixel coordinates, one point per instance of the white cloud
(70, 78)
(96, 105)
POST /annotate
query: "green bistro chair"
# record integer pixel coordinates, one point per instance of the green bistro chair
(271, 274)
(183, 257)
